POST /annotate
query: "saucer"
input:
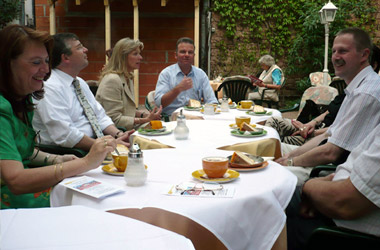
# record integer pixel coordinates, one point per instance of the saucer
(241, 109)
(229, 176)
(233, 105)
(191, 108)
(235, 132)
(112, 170)
(248, 169)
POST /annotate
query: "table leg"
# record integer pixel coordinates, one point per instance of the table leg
(201, 237)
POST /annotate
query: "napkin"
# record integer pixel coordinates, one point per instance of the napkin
(266, 147)
(187, 116)
(145, 143)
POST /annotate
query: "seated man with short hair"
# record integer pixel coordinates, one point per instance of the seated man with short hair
(180, 82)
(69, 115)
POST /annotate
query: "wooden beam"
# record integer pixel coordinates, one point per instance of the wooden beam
(135, 37)
(107, 25)
(164, 3)
(53, 29)
(196, 32)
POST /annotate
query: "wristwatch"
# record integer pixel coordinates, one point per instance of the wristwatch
(289, 162)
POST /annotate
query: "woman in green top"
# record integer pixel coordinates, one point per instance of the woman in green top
(24, 65)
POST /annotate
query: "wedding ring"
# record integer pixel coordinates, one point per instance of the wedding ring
(105, 143)
(301, 129)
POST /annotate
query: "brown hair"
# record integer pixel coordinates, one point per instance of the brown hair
(13, 40)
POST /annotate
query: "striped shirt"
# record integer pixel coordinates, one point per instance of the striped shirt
(363, 169)
(360, 111)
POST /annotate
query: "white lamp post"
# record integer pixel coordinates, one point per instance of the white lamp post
(327, 15)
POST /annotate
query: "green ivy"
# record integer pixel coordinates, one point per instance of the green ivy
(289, 30)
(9, 10)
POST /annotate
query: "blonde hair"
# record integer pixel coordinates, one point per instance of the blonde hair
(117, 62)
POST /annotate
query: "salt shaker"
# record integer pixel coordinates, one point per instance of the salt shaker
(135, 174)
(181, 131)
(224, 107)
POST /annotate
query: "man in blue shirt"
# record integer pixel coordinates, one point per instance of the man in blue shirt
(180, 82)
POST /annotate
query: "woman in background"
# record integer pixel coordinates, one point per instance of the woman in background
(271, 78)
(25, 64)
(116, 90)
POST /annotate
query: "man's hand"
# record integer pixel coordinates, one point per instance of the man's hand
(283, 160)
(185, 84)
(124, 138)
(307, 210)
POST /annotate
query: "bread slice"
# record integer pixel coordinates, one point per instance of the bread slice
(258, 109)
(194, 103)
(241, 158)
(246, 127)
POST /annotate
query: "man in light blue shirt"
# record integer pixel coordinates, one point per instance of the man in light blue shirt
(180, 82)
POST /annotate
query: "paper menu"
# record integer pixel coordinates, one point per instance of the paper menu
(92, 187)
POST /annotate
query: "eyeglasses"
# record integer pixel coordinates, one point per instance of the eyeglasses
(192, 188)
(37, 140)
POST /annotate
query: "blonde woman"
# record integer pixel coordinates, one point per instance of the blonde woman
(116, 91)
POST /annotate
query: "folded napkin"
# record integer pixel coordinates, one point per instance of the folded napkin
(145, 143)
(269, 147)
(187, 116)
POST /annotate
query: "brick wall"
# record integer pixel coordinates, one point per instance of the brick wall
(160, 27)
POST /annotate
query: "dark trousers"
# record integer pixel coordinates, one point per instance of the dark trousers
(298, 228)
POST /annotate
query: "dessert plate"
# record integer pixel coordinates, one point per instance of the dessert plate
(259, 113)
(229, 176)
(154, 132)
(237, 133)
(258, 162)
(248, 169)
(233, 105)
(234, 126)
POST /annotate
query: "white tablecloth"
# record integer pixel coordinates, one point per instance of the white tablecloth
(78, 227)
(231, 114)
(252, 219)
(205, 135)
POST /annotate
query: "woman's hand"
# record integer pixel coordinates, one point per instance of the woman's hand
(305, 130)
(124, 138)
(99, 150)
(64, 158)
(155, 114)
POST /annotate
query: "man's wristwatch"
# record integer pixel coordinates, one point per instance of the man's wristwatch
(290, 162)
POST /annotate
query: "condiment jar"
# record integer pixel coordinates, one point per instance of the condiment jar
(181, 131)
(135, 174)
(224, 107)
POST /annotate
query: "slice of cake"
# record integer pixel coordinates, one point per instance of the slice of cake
(241, 158)
(194, 103)
(154, 125)
(230, 101)
(246, 127)
(258, 109)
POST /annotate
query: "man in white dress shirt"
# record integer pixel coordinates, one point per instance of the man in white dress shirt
(358, 115)
(59, 116)
(348, 199)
